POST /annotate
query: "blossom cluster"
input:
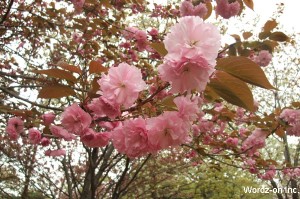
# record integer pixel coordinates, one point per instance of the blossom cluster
(188, 9)
(292, 117)
(226, 9)
(192, 47)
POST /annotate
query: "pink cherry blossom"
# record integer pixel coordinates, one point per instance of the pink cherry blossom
(263, 58)
(110, 125)
(92, 139)
(167, 130)
(132, 138)
(191, 37)
(78, 4)
(75, 120)
(45, 141)
(226, 9)
(129, 32)
(34, 136)
(140, 35)
(61, 133)
(270, 174)
(292, 117)
(186, 74)
(12, 132)
(122, 84)
(232, 141)
(255, 141)
(54, 153)
(187, 108)
(200, 10)
(16, 123)
(186, 8)
(48, 118)
(153, 32)
(102, 107)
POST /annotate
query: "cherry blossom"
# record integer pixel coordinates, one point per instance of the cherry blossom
(102, 107)
(191, 38)
(186, 74)
(263, 58)
(255, 141)
(122, 84)
(292, 117)
(54, 153)
(188, 9)
(75, 120)
(61, 133)
(226, 9)
(92, 139)
(167, 130)
(132, 138)
(48, 118)
(34, 136)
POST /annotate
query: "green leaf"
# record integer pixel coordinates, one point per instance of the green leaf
(57, 73)
(232, 89)
(244, 69)
(159, 47)
(55, 91)
(279, 36)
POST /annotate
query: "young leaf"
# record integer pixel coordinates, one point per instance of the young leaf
(244, 69)
(209, 10)
(57, 73)
(71, 68)
(249, 4)
(270, 25)
(55, 91)
(159, 47)
(247, 35)
(279, 36)
(232, 90)
(96, 67)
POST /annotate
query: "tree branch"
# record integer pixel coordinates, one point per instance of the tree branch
(7, 12)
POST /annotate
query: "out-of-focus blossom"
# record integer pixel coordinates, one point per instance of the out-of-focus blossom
(48, 118)
(226, 9)
(54, 153)
(34, 136)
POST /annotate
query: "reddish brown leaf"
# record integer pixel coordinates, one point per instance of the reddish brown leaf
(249, 4)
(236, 37)
(159, 47)
(209, 10)
(57, 73)
(270, 25)
(96, 67)
(55, 91)
(232, 90)
(247, 35)
(279, 36)
(71, 68)
(244, 69)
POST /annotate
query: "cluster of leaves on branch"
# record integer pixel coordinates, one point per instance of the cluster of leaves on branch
(105, 85)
